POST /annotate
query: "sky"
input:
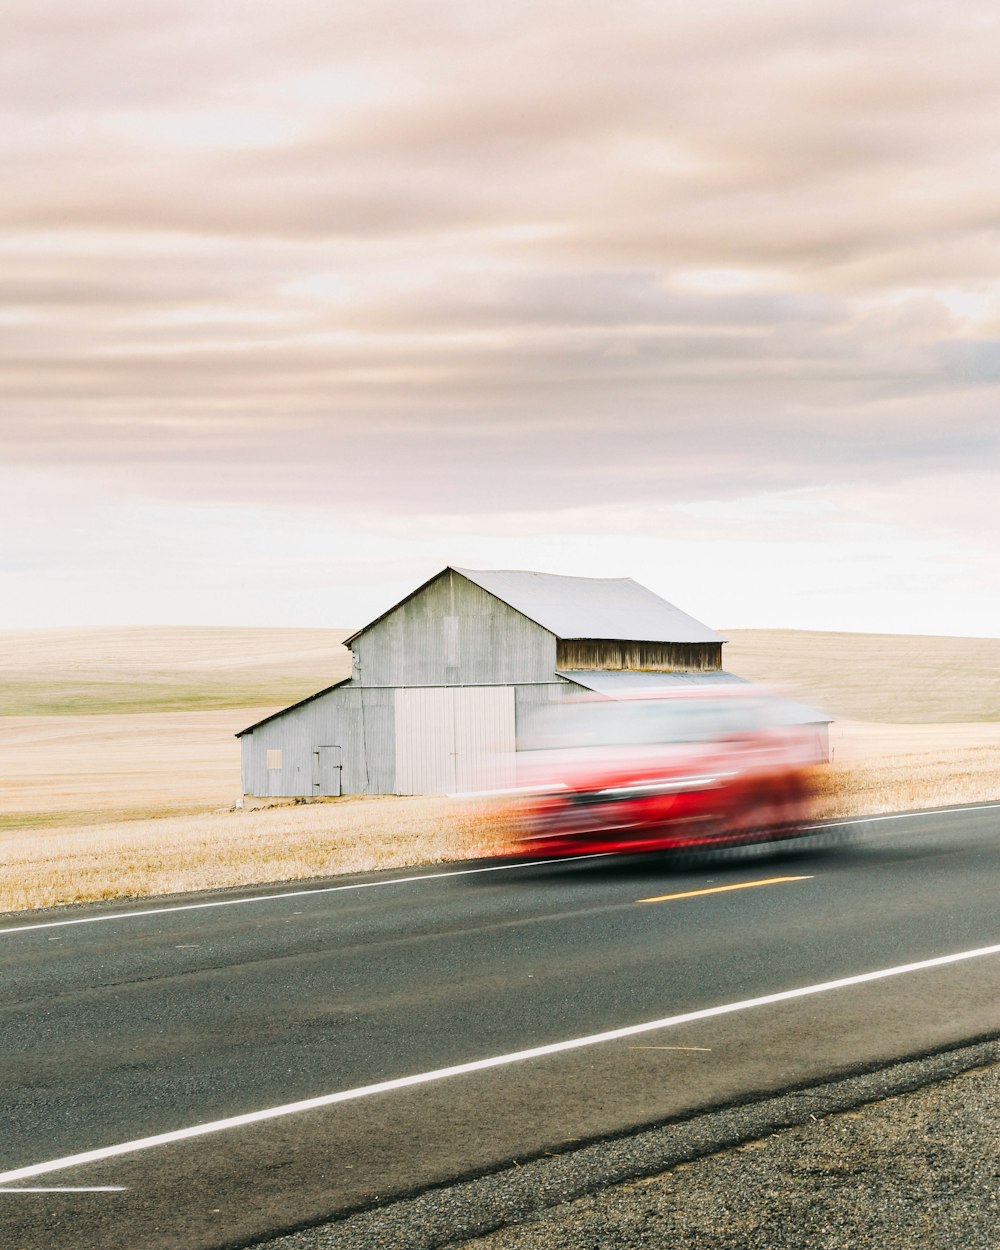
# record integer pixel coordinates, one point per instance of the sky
(301, 302)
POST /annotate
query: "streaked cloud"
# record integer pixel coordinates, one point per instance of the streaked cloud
(305, 264)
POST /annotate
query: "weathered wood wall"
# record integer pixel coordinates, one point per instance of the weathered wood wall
(656, 657)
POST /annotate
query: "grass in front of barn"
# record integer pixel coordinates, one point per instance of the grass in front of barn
(289, 842)
(102, 796)
(889, 768)
(876, 769)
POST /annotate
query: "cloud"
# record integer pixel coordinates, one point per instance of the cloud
(467, 260)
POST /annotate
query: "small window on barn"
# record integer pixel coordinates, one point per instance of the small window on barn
(274, 758)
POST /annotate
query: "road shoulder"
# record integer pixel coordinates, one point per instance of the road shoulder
(897, 1158)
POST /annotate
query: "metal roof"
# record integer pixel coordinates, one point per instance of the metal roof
(591, 607)
(344, 681)
(613, 683)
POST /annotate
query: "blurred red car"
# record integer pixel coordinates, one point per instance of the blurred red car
(691, 769)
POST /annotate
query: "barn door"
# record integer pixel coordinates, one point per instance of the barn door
(453, 738)
(484, 737)
(326, 772)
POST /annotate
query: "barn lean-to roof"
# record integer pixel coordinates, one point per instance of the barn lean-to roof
(580, 607)
(614, 684)
(344, 681)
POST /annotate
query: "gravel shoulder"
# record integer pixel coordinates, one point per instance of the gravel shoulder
(905, 1157)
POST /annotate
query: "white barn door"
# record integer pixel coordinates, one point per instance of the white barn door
(484, 737)
(425, 762)
(454, 738)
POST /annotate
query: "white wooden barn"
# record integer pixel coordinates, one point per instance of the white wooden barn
(443, 683)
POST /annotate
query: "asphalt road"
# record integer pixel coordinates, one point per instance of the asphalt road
(385, 1019)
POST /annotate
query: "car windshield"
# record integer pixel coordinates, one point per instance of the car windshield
(646, 722)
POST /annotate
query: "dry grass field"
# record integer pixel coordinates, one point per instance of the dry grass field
(890, 678)
(67, 672)
(121, 771)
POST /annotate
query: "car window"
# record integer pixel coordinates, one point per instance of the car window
(645, 722)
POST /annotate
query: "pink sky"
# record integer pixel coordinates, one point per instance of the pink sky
(301, 302)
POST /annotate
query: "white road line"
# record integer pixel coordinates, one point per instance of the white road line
(270, 898)
(933, 811)
(63, 1189)
(477, 1065)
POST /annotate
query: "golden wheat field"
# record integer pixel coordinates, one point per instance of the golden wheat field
(121, 770)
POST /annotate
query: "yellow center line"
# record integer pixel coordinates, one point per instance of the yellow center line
(722, 889)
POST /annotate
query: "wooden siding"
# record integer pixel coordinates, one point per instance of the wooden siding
(453, 633)
(655, 657)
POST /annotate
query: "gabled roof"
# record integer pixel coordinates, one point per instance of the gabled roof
(345, 681)
(578, 607)
(591, 607)
(612, 682)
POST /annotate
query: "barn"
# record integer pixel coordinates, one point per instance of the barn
(443, 683)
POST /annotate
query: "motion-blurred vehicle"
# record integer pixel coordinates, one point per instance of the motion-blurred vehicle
(680, 770)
